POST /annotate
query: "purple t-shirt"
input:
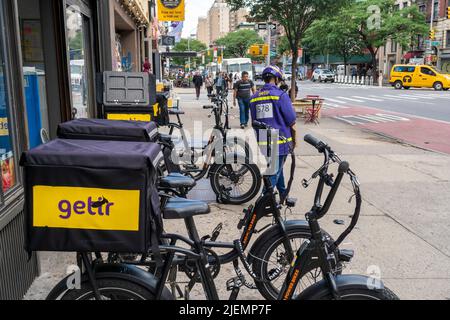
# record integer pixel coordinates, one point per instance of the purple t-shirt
(273, 107)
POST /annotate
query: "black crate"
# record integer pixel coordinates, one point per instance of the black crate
(102, 129)
(89, 195)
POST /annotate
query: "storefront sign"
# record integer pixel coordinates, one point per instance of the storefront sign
(171, 10)
(4, 127)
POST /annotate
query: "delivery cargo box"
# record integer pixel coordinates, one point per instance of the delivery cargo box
(89, 195)
(102, 129)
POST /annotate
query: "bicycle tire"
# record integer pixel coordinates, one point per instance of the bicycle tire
(109, 288)
(253, 191)
(360, 293)
(260, 265)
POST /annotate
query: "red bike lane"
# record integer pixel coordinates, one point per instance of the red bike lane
(422, 132)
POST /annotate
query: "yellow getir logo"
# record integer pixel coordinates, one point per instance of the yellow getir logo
(86, 208)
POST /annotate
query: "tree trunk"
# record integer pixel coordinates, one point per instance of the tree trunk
(294, 73)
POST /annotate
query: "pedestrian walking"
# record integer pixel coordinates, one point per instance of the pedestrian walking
(221, 83)
(147, 67)
(242, 91)
(272, 106)
(209, 83)
(198, 83)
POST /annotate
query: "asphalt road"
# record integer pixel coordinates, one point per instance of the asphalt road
(416, 102)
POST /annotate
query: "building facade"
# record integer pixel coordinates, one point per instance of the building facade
(219, 22)
(51, 52)
(436, 52)
(203, 30)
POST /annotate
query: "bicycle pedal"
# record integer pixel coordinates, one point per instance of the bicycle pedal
(234, 283)
(291, 202)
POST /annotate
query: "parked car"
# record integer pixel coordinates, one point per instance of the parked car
(323, 75)
(418, 76)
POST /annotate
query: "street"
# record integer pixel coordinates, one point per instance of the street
(403, 235)
(420, 117)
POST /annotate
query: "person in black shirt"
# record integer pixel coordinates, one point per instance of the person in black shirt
(198, 83)
(243, 90)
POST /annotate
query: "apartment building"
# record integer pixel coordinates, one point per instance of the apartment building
(219, 22)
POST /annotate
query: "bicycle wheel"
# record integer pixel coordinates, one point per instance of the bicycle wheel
(358, 293)
(110, 289)
(271, 259)
(236, 183)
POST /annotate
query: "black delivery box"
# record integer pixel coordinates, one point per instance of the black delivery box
(102, 129)
(88, 196)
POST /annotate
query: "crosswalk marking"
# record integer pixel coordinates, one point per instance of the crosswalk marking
(350, 99)
(387, 98)
(334, 100)
(408, 98)
(367, 98)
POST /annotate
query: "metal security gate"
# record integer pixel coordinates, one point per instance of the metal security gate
(16, 271)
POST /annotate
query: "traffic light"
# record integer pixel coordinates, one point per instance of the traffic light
(258, 50)
(254, 50)
(432, 34)
(448, 13)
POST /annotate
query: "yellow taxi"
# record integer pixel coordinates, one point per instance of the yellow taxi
(418, 76)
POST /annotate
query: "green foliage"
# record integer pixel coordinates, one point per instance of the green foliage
(296, 16)
(283, 46)
(237, 43)
(188, 45)
(373, 22)
(332, 36)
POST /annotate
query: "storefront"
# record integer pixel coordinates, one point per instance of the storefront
(50, 55)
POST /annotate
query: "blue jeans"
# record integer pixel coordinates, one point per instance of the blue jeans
(244, 110)
(277, 180)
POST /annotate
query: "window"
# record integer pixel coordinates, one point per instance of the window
(404, 69)
(393, 46)
(78, 39)
(436, 9)
(7, 161)
(423, 8)
(427, 71)
(447, 39)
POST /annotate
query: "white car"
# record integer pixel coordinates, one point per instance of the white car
(323, 75)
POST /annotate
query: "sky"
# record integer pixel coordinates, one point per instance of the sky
(195, 9)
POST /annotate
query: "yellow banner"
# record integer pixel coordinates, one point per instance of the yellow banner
(171, 10)
(129, 117)
(86, 208)
(4, 127)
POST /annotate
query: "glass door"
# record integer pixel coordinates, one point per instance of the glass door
(80, 61)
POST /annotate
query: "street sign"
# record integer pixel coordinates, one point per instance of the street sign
(433, 43)
(168, 41)
(263, 26)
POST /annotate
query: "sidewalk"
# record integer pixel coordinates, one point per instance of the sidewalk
(404, 230)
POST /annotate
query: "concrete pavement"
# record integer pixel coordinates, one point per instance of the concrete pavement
(404, 231)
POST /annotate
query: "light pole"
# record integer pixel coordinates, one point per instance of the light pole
(189, 47)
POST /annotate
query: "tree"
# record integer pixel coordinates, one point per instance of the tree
(237, 43)
(188, 45)
(296, 16)
(283, 46)
(332, 35)
(374, 22)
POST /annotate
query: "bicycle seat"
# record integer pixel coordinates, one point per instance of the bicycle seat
(171, 111)
(180, 208)
(176, 180)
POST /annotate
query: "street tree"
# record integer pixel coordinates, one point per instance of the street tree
(331, 35)
(237, 43)
(296, 16)
(188, 45)
(374, 22)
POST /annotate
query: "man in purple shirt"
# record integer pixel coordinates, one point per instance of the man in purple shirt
(272, 106)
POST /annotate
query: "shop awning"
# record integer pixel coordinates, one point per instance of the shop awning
(412, 54)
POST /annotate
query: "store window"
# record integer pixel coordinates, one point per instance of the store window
(78, 38)
(7, 161)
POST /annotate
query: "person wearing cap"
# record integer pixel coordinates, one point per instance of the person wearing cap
(273, 107)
